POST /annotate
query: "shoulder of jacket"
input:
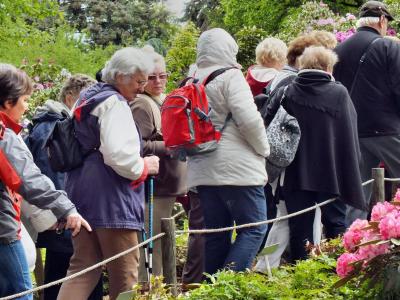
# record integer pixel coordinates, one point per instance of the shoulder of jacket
(142, 102)
(110, 103)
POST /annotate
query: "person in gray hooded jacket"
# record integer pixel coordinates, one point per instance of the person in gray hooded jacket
(230, 180)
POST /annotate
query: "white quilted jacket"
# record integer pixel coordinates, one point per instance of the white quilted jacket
(240, 157)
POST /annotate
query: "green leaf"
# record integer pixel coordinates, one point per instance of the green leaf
(395, 241)
(125, 295)
(269, 250)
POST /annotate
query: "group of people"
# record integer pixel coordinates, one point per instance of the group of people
(346, 108)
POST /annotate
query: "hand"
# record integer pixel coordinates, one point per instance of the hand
(75, 221)
(153, 163)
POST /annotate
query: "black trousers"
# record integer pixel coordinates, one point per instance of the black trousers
(56, 267)
(301, 227)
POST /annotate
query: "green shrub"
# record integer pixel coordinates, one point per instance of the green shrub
(181, 54)
(248, 39)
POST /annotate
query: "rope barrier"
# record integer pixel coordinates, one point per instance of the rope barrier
(368, 182)
(196, 231)
(178, 214)
(202, 231)
(100, 264)
(392, 179)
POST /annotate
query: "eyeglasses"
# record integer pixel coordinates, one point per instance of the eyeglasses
(161, 76)
(141, 82)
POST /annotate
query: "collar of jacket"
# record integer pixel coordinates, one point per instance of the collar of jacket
(10, 123)
(312, 76)
(370, 29)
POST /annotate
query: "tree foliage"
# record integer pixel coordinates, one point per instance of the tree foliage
(264, 14)
(181, 54)
(204, 13)
(247, 39)
(122, 22)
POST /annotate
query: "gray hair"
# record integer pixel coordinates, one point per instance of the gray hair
(74, 85)
(158, 59)
(318, 58)
(367, 21)
(127, 61)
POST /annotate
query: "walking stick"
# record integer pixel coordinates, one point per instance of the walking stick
(151, 203)
(146, 255)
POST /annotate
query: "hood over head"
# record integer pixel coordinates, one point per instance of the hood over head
(216, 47)
(51, 110)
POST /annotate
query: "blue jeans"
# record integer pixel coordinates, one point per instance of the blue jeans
(222, 207)
(14, 270)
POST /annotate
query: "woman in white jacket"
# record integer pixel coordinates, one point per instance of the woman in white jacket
(230, 180)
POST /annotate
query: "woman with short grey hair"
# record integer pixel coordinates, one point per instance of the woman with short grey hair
(108, 188)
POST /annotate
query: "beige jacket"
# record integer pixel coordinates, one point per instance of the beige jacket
(240, 157)
(171, 180)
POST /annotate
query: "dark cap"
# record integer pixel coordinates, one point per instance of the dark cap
(375, 9)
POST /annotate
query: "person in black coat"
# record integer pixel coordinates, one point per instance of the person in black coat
(374, 87)
(327, 159)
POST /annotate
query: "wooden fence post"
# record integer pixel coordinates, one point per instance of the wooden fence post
(169, 253)
(378, 186)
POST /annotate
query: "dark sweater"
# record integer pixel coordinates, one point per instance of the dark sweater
(328, 155)
(376, 94)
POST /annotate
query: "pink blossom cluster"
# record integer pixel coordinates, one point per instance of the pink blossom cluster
(354, 234)
(345, 263)
(389, 226)
(323, 22)
(365, 240)
(344, 35)
(369, 251)
(380, 210)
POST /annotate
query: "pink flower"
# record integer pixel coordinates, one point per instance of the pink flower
(389, 226)
(344, 35)
(380, 210)
(322, 4)
(343, 266)
(322, 22)
(370, 251)
(391, 32)
(397, 196)
(38, 86)
(350, 17)
(355, 234)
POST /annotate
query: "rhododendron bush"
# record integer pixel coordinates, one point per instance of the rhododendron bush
(373, 248)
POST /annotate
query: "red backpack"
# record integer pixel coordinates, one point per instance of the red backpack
(185, 122)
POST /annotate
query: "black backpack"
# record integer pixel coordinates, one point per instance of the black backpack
(63, 148)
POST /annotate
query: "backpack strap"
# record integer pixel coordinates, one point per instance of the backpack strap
(361, 61)
(216, 73)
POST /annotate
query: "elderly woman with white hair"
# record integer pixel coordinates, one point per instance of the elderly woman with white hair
(107, 189)
(171, 181)
(270, 58)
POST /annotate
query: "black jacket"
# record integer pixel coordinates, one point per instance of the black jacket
(376, 94)
(328, 155)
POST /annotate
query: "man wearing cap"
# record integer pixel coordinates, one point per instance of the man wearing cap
(369, 66)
